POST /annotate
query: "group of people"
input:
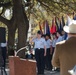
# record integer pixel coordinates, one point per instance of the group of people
(55, 51)
(44, 46)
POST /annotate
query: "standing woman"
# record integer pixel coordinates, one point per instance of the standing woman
(60, 37)
(48, 52)
(40, 52)
(54, 42)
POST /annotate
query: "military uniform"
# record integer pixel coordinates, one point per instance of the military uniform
(53, 45)
(60, 38)
(39, 54)
(48, 55)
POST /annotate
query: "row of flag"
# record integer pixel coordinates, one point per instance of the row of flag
(57, 25)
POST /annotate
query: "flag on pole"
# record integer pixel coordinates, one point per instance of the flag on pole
(56, 22)
(74, 16)
(60, 27)
(53, 27)
(46, 28)
(69, 20)
(40, 28)
(63, 22)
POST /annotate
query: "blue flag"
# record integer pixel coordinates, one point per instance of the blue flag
(60, 27)
(56, 22)
(63, 22)
(47, 29)
(74, 17)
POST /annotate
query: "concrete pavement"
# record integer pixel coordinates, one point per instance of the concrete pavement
(46, 72)
(52, 73)
(7, 71)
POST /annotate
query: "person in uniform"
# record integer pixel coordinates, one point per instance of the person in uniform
(54, 42)
(4, 52)
(40, 52)
(65, 52)
(48, 52)
(60, 37)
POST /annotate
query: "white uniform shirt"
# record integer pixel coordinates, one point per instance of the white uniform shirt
(48, 43)
(59, 39)
(63, 37)
(39, 43)
(54, 42)
(3, 44)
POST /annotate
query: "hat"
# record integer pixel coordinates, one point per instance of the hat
(70, 29)
(39, 32)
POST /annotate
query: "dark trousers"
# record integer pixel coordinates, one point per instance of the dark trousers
(48, 59)
(39, 55)
(4, 51)
(53, 48)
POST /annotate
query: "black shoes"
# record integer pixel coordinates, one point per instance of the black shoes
(48, 69)
(57, 69)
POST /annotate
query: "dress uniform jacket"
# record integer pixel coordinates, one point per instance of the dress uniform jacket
(65, 55)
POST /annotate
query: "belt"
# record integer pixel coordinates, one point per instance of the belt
(48, 48)
(39, 48)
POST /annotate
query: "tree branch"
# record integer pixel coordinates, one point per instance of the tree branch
(5, 21)
(45, 5)
(2, 11)
(5, 4)
(57, 6)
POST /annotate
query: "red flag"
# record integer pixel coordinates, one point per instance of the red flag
(53, 28)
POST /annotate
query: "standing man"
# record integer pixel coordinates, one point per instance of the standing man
(4, 52)
(40, 52)
(48, 53)
(54, 42)
(65, 53)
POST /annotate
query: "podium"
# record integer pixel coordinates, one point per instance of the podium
(19, 66)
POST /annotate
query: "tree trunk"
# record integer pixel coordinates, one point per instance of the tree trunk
(22, 39)
(11, 39)
(20, 21)
(22, 24)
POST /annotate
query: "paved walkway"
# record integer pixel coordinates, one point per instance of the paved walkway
(46, 72)
(7, 70)
(51, 73)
